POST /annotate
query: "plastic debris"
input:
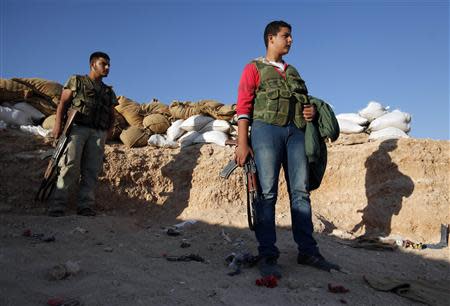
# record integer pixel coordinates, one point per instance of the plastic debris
(267, 281)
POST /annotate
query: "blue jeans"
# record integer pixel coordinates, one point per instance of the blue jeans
(273, 147)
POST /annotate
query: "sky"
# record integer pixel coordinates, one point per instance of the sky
(348, 52)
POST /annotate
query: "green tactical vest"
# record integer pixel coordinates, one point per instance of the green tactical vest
(94, 107)
(279, 100)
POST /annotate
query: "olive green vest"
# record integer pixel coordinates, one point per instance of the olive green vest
(279, 100)
(94, 106)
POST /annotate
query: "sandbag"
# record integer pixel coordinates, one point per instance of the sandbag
(14, 116)
(44, 106)
(134, 137)
(174, 132)
(396, 119)
(160, 141)
(130, 110)
(216, 125)
(217, 110)
(35, 130)
(216, 137)
(154, 107)
(30, 110)
(188, 138)
(372, 111)
(195, 123)
(353, 118)
(49, 122)
(119, 125)
(388, 133)
(49, 90)
(349, 127)
(183, 110)
(157, 123)
(226, 112)
(11, 91)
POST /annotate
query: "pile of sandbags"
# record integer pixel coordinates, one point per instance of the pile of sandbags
(23, 116)
(135, 122)
(25, 102)
(44, 95)
(376, 120)
(195, 129)
(163, 126)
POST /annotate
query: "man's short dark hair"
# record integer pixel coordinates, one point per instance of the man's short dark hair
(273, 28)
(98, 54)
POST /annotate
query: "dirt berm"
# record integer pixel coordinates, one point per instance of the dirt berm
(395, 187)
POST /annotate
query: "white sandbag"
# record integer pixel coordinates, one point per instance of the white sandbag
(30, 110)
(174, 132)
(388, 133)
(158, 140)
(188, 138)
(395, 119)
(373, 110)
(353, 117)
(216, 125)
(14, 116)
(195, 123)
(36, 130)
(216, 137)
(349, 127)
(399, 115)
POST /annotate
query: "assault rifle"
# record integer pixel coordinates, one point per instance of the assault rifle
(250, 183)
(52, 171)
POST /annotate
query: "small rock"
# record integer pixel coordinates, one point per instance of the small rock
(72, 267)
(58, 272)
(108, 249)
(293, 284)
(173, 232)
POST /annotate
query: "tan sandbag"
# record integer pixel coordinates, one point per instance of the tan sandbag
(154, 107)
(156, 123)
(44, 106)
(119, 125)
(212, 104)
(49, 122)
(134, 137)
(183, 110)
(130, 110)
(11, 91)
(49, 90)
(217, 110)
(226, 112)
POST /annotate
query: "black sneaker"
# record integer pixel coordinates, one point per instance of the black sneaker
(268, 266)
(317, 261)
(86, 212)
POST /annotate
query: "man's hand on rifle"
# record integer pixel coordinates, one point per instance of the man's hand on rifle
(56, 130)
(241, 154)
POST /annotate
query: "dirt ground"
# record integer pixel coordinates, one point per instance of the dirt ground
(122, 253)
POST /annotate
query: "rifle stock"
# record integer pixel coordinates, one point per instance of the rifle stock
(51, 172)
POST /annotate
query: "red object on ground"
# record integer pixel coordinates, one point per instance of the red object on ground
(337, 289)
(26, 233)
(55, 302)
(267, 281)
